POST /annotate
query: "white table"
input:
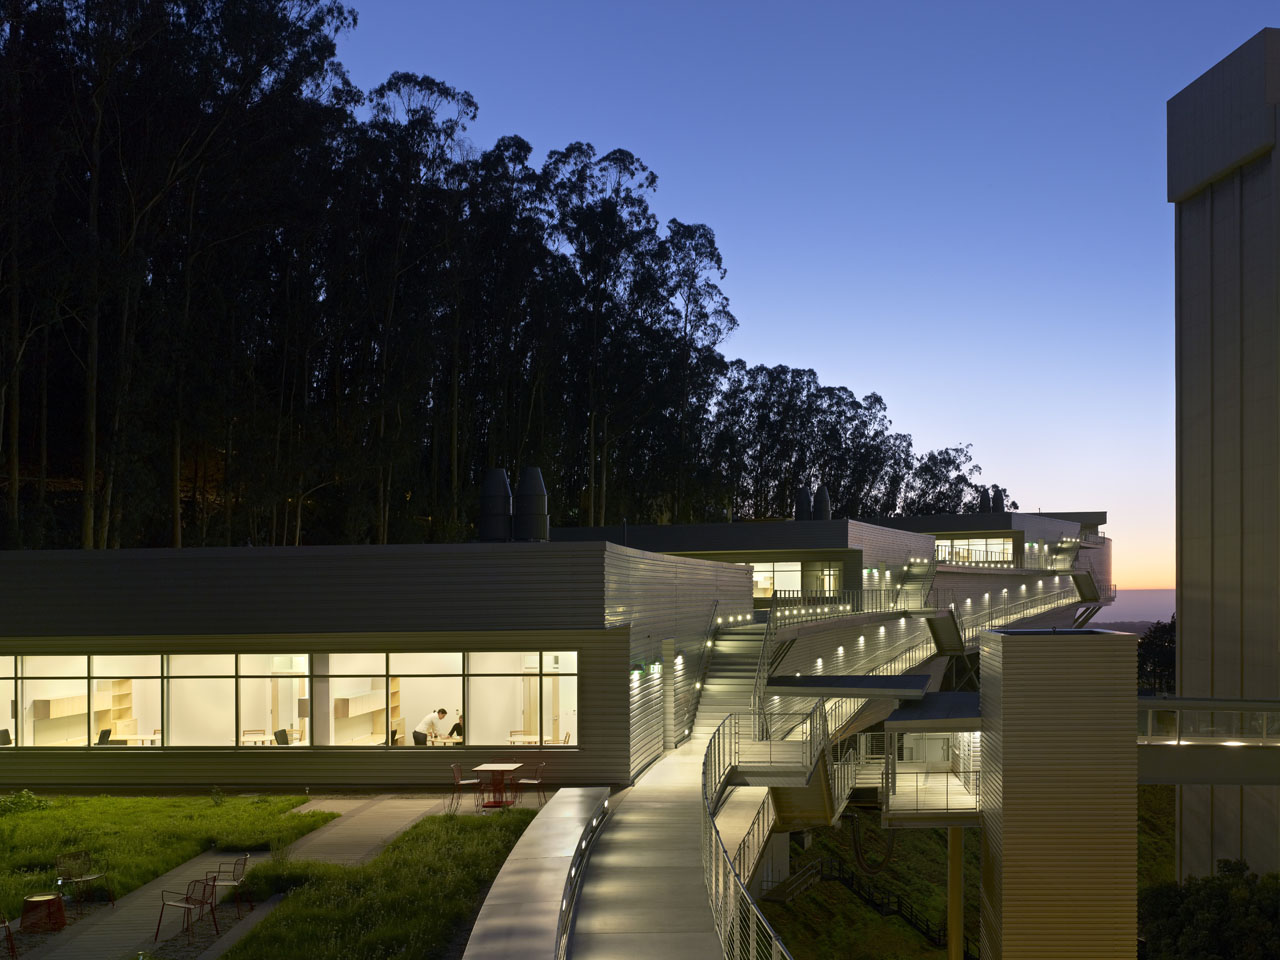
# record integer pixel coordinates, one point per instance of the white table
(498, 774)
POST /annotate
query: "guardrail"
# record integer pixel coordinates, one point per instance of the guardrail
(918, 792)
(694, 697)
(756, 837)
(1194, 720)
(744, 932)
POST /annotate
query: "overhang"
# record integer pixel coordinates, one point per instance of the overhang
(950, 712)
(864, 687)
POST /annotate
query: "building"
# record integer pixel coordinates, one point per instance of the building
(173, 668)
(1224, 182)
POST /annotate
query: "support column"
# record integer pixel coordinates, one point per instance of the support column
(955, 893)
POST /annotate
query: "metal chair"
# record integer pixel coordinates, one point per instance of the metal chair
(458, 783)
(535, 781)
(79, 869)
(230, 874)
(198, 896)
(8, 939)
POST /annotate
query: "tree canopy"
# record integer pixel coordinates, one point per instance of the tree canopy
(243, 301)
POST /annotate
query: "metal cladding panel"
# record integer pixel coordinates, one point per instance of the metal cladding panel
(291, 590)
(1059, 795)
(1226, 117)
(1227, 289)
(1097, 560)
(666, 598)
(1039, 527)
(887, 545)
(713, 537)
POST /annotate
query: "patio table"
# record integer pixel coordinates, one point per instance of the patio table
(498, 774)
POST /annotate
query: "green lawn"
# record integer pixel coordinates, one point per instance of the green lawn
(142, 837)
(411, 900)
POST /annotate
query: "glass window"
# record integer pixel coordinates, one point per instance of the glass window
(144, 665)
(786, 576)
(419, 701)
(8, 712)
(356, 711)
(516, 662)
(202, 713)
(6, 667)
(559, 709)
(502, 710)
(202, 664)
(351, 663)
(273, 710)
(426, 663)
(560, 661)
(126, 711)
(762, 580)
(55, 666)
(272, 664)
(55, 713)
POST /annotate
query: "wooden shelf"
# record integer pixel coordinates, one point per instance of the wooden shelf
(59, 707)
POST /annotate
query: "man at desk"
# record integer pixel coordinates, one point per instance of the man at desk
(434, 725)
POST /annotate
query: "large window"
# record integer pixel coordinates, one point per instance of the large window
(768, 577)
(975, 550)
(509, 698)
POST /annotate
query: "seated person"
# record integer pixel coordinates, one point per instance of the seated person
(456, 729)
(434, 725)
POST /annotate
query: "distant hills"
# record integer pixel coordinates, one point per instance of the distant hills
(1125, 626)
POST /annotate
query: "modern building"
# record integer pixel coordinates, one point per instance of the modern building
(1224, 182)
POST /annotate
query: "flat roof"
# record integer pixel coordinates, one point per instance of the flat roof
(952, 712)
(866, 687)
(746, 536)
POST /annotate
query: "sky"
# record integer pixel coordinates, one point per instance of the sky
(960, 207)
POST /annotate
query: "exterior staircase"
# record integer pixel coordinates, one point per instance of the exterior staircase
(730, 678)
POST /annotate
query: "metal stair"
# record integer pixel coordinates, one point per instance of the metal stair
(730, 677)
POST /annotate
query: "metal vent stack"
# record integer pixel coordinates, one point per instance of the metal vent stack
(531, 520)
(495, 507)
(821, 504)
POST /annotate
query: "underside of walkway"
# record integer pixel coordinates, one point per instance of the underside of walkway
(644, 894)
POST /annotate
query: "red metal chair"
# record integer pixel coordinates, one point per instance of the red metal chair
(8, 939)
(230, 874)
(81, 870)
(458, 783)
(198, 896)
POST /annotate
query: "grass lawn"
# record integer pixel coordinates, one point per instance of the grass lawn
(412, 900)
(142, 837)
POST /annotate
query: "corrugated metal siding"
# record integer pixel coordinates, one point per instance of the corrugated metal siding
(665, 597)
(885, 545)
(293, 590)
(1059, 796)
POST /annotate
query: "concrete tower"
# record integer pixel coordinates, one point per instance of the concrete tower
(1224, 179)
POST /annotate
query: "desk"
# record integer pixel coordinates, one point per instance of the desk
(523, 738)
(443, 741)
(43, 911)
(150, 741)
(257, 741)
(498, 774)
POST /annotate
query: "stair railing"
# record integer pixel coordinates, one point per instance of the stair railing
(755, 839)
(693, 697)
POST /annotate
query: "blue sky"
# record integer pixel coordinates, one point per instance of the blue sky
(959, 206)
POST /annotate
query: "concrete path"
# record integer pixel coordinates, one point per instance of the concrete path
(644, 895)
(737, 810)
(364, 827)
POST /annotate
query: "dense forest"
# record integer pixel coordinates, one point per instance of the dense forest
(242, 301)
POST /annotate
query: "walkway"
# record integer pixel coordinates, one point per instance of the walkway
(644, 895)
(365, 826)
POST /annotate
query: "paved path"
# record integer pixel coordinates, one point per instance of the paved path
(365, 826)
(644, 895)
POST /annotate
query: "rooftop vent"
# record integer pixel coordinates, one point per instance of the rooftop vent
(803, 510)
(531, 520)
(495, 507)
(821, 504)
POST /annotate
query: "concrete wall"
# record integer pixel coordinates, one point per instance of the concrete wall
(1223, 178)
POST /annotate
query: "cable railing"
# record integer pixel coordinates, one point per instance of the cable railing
(693, 697)
(756, 837)
(927, 792)
(744, 932)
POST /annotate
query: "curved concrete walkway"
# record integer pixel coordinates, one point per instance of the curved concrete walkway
(643, 895)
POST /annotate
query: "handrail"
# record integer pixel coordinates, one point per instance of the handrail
(757, 835)
(694, 699)
(743, 930)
